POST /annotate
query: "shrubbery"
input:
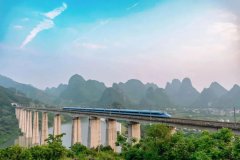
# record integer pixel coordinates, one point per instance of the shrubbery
(54, 150)
(158, 144)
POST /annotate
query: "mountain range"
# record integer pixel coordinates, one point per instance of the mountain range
(131, 94)
(28, 90)
(9, 95)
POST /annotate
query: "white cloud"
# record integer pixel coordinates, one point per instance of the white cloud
(133, 6)
(54, 13)
(100, 24)
(227, 30)
(18, 27)
(90, 46)
(228, 15)
(45, 24)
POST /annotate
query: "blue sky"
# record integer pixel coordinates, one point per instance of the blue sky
(45, 42)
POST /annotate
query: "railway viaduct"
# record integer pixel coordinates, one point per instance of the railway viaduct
(29, 124)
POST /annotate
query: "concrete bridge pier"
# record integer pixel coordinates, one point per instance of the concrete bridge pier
(29, 124)
(17, 111)
(57, 125)
(24, 125)
(26, 121)
(76, 130)
(44, 129)
(20, 119)
(95, 132)
(111, 133)
(134, 131)
(35, 139)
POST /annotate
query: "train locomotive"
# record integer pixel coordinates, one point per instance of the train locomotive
(131, 112)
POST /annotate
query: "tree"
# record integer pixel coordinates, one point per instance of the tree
(236, 148)
(158, 131)
(15, 153)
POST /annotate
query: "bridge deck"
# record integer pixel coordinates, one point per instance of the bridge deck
(178, 121)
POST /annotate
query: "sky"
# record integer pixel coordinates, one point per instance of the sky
(44, 42)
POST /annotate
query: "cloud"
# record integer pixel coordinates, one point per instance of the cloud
(132, 6)
(227, 15)
(18, 27)
(92, 46)
(227, 30)
(54, 13)
(100, 24)
(47, 23)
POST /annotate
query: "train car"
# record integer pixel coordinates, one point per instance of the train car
(147, 113)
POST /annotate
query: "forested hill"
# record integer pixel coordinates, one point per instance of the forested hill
(10, 95)
(8, 122)
(28, 90)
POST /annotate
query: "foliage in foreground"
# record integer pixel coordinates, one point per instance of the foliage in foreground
(54, 150)
(158, 144)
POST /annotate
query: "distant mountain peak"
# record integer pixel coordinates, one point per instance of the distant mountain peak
(217, 89)
(134, 81)
(77, 76)
(209, 96)
(76, 79)
(231, 98)
(181, 93)
(187, 82)
(176, 81)
(173, 87)
(235, 88)
(153, 85)
(79, 91)
(214, 84)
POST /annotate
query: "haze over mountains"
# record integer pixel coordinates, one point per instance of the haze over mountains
(131, 94)
(28, 90)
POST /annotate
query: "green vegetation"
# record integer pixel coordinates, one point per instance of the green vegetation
(54, 150)
(8, 122)
(157, 144)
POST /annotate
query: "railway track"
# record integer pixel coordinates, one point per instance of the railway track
(134, 118)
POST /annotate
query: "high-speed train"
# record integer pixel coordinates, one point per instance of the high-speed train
(147, 113)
